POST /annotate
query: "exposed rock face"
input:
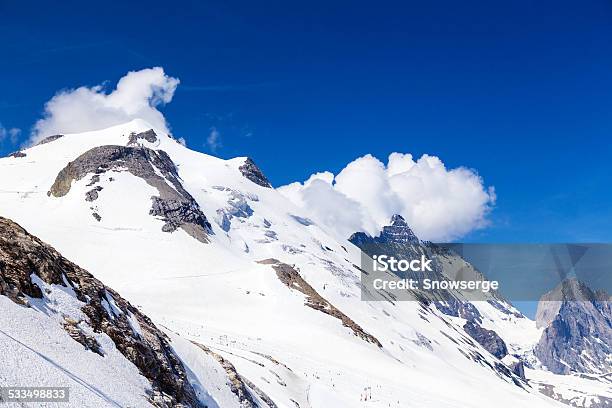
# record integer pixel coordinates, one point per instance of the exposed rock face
(48, 139)
(398, 232)
(177, 213)
(453, 307)
(578, 329)
(75, 331)
(488, 339)
(250, 170)
(398, 240)
(515, 364)
(22, 256)
(292, 279)
(92, 194)
(237, 383)
(174, 204)
(150, 136)
(518, 368)
(17, 154)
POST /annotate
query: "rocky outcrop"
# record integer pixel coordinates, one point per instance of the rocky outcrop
(577, 334)
(179, 213)
(293, 280)
(150, 136)
(92, 194)
(250, 170)
(174, 205)
(48, 139)
(237, 383)
(518, 368)
(488, 339)
(17, 154)
(23, 256)
(515, 364)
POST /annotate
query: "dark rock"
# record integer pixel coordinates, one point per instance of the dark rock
(488, 339)
(23, 255)
(174, 204)
(469, 312)
(48, 139)
(250, 170)
(179, 213)
(94, 179)
(518, 368)
(89, 342)
(360, 239)
(236, 381)
(149, 136)
(17, 154)
(92, 194)
(398, 232)
(223, 219)
(578, 329)
(96, 216)
(293, 280)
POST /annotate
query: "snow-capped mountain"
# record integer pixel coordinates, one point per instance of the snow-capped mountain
(577, 333)
(262, 306)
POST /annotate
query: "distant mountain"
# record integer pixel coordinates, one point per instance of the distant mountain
(577, 334)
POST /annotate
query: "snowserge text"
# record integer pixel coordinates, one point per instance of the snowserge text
(431, 284)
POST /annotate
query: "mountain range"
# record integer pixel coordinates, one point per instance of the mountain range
(139, 273)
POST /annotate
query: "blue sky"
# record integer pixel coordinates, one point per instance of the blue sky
(520, 91)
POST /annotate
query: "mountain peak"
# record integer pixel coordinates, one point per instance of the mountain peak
(571, 315)
(398, 231)
(398, 220)
(250, 170)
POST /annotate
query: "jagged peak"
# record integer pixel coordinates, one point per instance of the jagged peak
(252, 172)
(397, 231)
(149, 136)
(398, 220)
(570, 289)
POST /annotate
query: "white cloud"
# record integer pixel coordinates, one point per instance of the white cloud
(213, 141)
(11, 134)
(137, 95)
(439, 204)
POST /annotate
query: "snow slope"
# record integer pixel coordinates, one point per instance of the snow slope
(219, 296)
(37, 351)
